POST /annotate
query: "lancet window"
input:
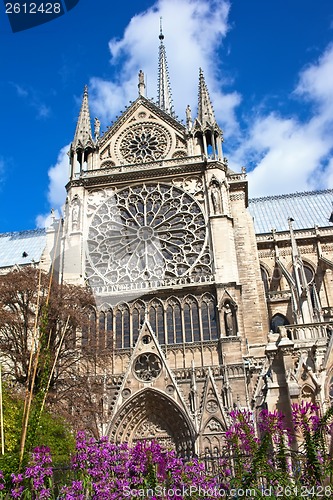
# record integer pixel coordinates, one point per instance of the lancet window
(191, 320)
(209, 323)
(156, 319)
(174, 321)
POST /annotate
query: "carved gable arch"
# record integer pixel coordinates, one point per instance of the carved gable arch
(151, 414)
(211, 406)
(148, 367)
(226, 297)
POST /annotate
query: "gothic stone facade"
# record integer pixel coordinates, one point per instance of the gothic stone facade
(197, 315)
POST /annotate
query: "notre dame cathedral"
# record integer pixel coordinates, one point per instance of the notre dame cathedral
(206, 300)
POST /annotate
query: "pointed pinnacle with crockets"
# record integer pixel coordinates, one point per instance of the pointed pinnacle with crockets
(206, 116)
(83, 135)
(163, 88)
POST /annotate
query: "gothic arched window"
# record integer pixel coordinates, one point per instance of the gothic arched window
(119, 329)
(126, 326)
(309, 274)
(101, 330)
(92, 329)
(265, 279)
(278, 320)
(109, 329)
(85, 334)
(138, 318)
(156, 319)
(209, 322)
(88, 337)
(191, 320)
(187, 323)
(122, 326)
(275, 284)
(174, 322)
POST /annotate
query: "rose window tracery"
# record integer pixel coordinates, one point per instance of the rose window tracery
(147, 366)
(145, 233)
(144, 142)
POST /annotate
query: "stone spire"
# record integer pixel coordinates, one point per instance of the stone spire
(163, 90)
(206, 116)
(83, 135)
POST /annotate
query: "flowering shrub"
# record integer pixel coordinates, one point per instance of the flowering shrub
(260, 459)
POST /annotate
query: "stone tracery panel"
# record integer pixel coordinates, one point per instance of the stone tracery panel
(146, 233)
(143, 142)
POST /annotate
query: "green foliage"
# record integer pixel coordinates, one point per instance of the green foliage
(55, 433)
(52, 431)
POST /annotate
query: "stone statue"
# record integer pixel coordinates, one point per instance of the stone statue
(188, 117)
(141, 85)
(229, 320)
(76, 215)
(216, 197)
(97, 126)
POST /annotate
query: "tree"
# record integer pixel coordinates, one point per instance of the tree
(32, 304)
(40, 322)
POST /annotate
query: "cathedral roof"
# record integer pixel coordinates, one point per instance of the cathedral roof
(21, 247)
(308, 209)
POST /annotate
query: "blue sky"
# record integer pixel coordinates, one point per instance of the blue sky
(268, 65)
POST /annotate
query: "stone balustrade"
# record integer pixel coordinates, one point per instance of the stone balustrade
(312, 331)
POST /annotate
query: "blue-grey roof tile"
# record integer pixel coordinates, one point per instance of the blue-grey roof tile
(21, 247)
(308, 209)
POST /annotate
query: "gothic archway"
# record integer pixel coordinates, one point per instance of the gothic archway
(151, 414)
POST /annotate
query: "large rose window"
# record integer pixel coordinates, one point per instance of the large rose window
(144, 142)
(145, 233)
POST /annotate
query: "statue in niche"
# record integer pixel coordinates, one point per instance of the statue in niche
(215, 194)
(97, 127)
(76, 214)
(229, 320)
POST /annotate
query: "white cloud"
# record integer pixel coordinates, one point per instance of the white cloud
(59, 175)
(58, 178)
(284, 154)
(46, 220)
(290, 154)
(192, 38)
(315, 82)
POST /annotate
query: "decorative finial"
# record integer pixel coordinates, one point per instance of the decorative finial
(141, 85)
(161, 37)
(85, 90)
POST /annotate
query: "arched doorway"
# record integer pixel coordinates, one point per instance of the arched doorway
(150, 415)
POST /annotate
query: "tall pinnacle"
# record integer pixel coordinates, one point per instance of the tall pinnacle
(206, 115)
(163, 89)
(83, 135)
